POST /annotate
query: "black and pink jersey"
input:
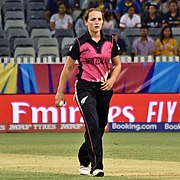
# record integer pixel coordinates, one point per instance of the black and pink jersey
(94, 58)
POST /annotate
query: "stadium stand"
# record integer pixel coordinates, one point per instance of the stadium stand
(23, 25)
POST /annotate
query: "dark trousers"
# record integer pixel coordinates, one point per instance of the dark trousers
(94, 106)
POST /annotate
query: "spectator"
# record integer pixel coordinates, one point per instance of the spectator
(155, 2)
(79, 24)
(88, 4)
(52, 7)
(113, 3)
(122, 44)
(61, 20)
(130, 19)
(152, 19)
(102, 6)
(123, 6)
(172, 18)
(108, 21)
(144, 45)
(166, 45)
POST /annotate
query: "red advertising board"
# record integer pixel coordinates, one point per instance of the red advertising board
(36, 112)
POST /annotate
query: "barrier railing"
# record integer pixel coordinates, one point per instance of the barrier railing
(56, 60)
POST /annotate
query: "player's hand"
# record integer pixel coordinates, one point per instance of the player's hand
(58, 97)
(107, 85)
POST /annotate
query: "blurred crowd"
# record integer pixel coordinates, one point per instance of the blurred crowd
(120, 16)
(38, 28)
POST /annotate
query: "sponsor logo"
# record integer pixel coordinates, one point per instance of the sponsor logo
(170, 126)
(135, 126)
(96, 60)
(86, 49)
(2, 127)
(71, 126)
(83, 100)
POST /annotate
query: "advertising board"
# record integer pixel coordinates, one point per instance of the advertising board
(128, 112)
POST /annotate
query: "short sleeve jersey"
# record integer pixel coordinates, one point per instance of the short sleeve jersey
(94, 58)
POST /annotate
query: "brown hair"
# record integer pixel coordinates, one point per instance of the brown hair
(86, 13)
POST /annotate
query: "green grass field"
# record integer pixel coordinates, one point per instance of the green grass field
(127, 156)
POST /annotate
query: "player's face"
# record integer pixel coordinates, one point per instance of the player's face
(95, 21)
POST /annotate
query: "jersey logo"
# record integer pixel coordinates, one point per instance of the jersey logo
(83, 99)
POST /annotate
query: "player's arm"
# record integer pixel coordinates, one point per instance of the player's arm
(107, 85)
(63, 79)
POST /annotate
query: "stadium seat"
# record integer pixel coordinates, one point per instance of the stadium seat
(130, 34)
(176, 31)
(36, 34)
(23, 42)
(154, 32)
(65, 45)
(80, 31)
(4, 52)
(34, 1)
(36, 6)
(64, 33)
(12, 34)
(12, 1)
(176, 34)
(2, 33)
(75, 14)
(107, 31)
(14, 15)
(35, 15)
(4, 42)
(12, 6)
(36, 23)
(24, 52)
(47, 42)
(11, 24)
(177, 37)
(48, 52)
(61, 33)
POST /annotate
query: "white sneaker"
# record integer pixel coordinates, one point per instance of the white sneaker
(84, 170)
(98, 173)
